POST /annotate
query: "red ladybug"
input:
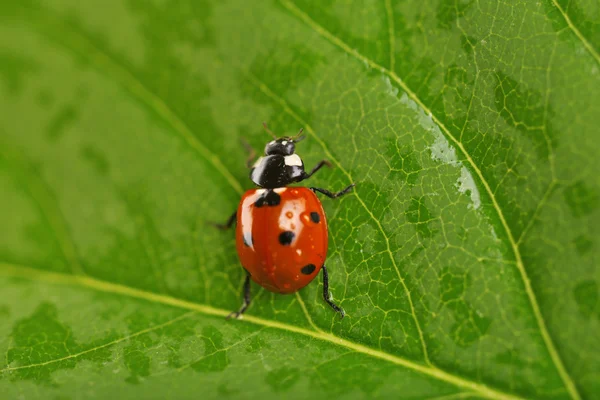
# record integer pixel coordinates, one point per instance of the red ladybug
(281, 234)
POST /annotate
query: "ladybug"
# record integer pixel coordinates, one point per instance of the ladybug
(281, 232)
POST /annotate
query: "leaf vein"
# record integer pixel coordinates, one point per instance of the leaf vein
(588, 46)
(104, 62)
(102, 346)
(265, 89)
(306, 313)
(24, 272)
(224, 349)
(39, 191)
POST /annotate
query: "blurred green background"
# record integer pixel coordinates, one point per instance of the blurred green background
(466, 259)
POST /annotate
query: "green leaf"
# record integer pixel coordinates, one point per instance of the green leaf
(466, 258)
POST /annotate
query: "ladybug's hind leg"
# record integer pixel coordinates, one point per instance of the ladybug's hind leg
(246, 303)
(326, 294)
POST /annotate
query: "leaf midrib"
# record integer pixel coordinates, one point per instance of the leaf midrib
(553, 352)
(30, 273)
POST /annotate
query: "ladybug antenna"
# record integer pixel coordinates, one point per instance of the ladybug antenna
(268, 130)
(299, 137)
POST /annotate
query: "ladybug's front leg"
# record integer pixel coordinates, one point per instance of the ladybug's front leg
(326, 294)
(317, 167)
(227, 224)
(247, 300)
(333, 195)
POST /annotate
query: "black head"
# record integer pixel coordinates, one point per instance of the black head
(280, 166)
(284, 146)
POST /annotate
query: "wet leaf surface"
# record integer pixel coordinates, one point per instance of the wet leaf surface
(466, 258)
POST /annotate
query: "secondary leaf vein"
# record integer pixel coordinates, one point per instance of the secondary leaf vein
(265, 89)
(111, 343)
(588, 46)
(80, 44)
(47, 203)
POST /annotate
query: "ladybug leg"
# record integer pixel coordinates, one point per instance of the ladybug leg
(326, 294)
(246, 303)
(316, 168)
(227, 224)
(251, 152)
(333, 195)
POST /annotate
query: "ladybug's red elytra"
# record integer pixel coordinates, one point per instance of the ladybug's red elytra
(281, 234)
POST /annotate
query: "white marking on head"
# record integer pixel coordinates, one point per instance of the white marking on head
(293, 160)
(279, 190)
(284, 142)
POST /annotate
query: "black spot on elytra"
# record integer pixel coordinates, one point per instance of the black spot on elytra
(285, 238)
(315, 217)
(308, 269)
(268, 198)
